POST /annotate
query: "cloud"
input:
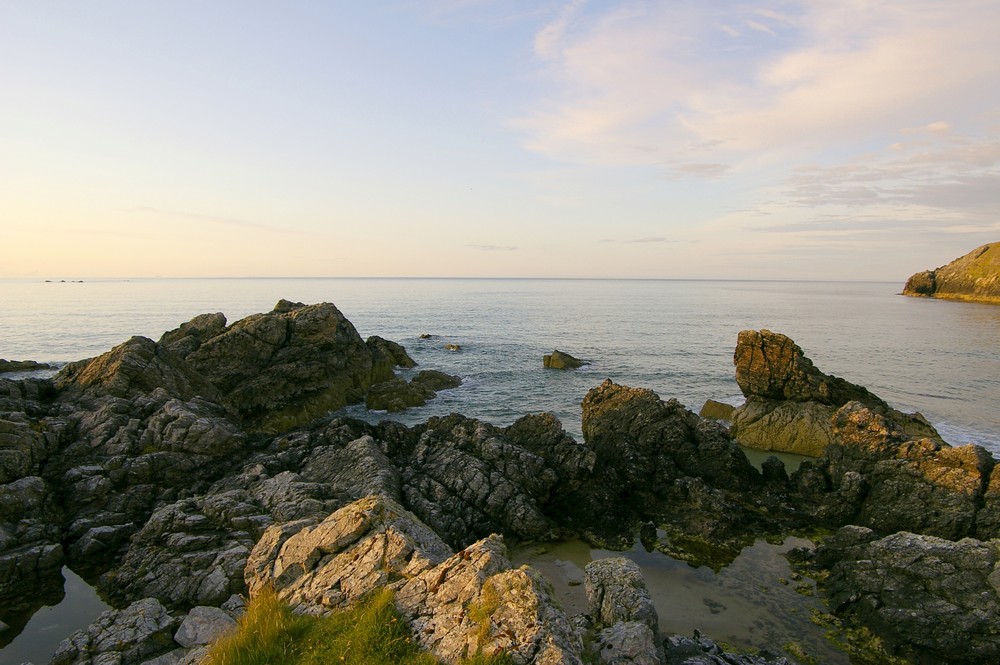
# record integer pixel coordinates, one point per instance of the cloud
(494, 248)
(665, 75)
(647, 239)
(211, 219)
(698, 170)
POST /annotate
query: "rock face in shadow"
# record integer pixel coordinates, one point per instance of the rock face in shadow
(929, 596)
(790, 403)
(975, 276)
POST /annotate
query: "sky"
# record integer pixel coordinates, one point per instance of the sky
(780, 139)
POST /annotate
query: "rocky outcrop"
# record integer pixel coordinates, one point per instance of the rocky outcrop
(895, 483)
(790, 403)
(929, 596)
(397, 394)
(288, 366)
(21, 366)
(975, 276)
(129, 636)
(559, 360)
(456, 604)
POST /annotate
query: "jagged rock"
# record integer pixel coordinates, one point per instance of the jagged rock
(559, 360)
(364, 545)
(435, 380)
(202, 626)
(900, 484)
(128, 637)
(30, 554)
(616, 592)
(185, 339)
(630, 643)
(975, 276)
(465, 479)
(288, 366)
(135, 368)
(455, 604)
(189, 553)
(397, 394)
(772, 366)
(790, 403)
(623, 613)
(452, 347)
(717, 410)
(926, 595)
(385, 356)
(802, 428)
(21, 366)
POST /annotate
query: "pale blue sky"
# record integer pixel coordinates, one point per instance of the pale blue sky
(774, 139)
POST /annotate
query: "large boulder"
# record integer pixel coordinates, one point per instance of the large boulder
(622, 613)
(789, 402)
(288, 366)
(975, 276)
(926, 596)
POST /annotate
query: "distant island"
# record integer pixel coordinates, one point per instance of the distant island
(975, 276)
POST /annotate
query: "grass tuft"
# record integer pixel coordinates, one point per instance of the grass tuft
(370, 633)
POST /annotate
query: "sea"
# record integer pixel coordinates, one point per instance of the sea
(676, 337)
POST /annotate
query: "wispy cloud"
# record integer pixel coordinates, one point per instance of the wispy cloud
(656, 75)
(211, 219)
(494, 248)
(647, 239)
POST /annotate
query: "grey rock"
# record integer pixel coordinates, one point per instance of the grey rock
(616, 593)
(628, 643)
(203, 625)
(925, 594)
(455, 604)
(129, 636)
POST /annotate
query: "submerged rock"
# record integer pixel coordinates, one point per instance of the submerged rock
(21, 365)
(975, 276)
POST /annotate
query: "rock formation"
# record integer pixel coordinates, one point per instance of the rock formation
(928, 596)
(152, 470)
(790, 403)
(975, 276)
(21, 366)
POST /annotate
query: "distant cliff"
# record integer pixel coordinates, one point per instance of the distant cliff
(975, 276)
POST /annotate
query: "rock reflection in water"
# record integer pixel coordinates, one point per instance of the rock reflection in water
(751, 603)
(62, 609)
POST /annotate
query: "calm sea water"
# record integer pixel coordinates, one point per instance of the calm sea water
(675, 337)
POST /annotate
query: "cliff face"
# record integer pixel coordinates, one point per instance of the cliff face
(975, 276)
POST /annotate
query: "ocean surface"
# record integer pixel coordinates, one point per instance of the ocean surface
(676, 337)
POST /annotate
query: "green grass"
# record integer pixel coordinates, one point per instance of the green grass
(371, 633)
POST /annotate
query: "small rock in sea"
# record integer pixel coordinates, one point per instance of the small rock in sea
(426, 336)
(559, 360)
(452, 347)
(717, 410)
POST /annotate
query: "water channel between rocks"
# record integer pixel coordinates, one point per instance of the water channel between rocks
(750, 604)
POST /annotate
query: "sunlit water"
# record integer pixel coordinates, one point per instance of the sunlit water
(675, 337)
